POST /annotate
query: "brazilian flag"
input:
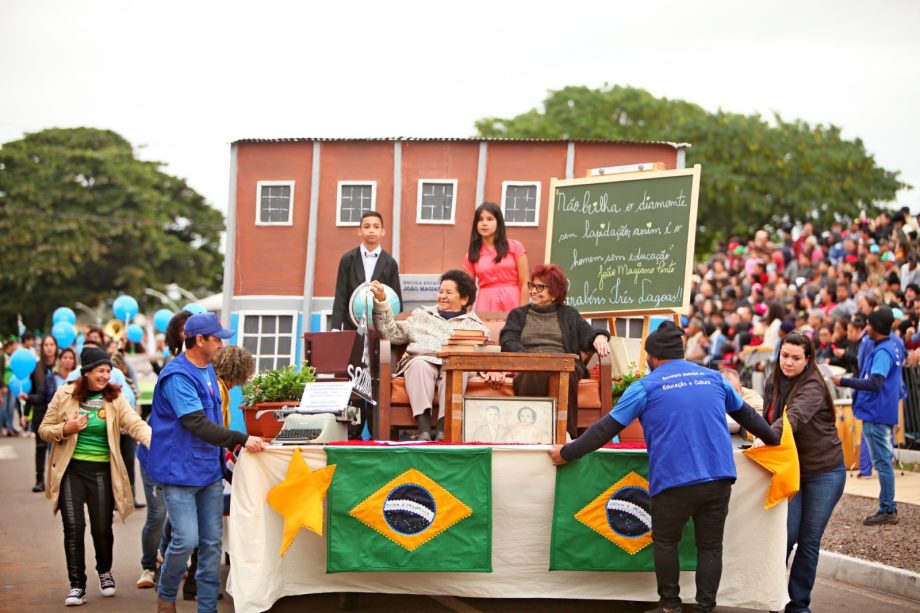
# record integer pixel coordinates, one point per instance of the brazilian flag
(602, 516)
(410, 510)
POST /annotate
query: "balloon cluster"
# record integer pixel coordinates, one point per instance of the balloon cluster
(125, 308)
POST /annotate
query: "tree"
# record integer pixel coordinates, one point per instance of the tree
(82, 219)
(756, 173)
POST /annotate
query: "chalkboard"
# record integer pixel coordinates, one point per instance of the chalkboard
(625, 242)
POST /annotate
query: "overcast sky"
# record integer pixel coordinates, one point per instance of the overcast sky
(184, 79)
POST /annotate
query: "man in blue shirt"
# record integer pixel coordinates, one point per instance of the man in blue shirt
(186, 460)
(681, 407)
(875, 402)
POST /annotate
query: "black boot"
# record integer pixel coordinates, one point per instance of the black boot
(424, 425)
(39, 486)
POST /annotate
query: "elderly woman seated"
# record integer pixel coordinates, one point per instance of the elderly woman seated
(548, 325)
(425, 332)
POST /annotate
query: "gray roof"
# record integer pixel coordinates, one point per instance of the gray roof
(461, 140)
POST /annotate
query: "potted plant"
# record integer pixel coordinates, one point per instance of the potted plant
(273, 390)
(632, 433)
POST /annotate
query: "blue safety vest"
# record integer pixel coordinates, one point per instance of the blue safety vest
(880, 407)
(176, 456)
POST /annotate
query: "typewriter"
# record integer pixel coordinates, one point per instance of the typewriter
(303, 428)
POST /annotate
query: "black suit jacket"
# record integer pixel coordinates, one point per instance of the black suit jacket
(351, 275)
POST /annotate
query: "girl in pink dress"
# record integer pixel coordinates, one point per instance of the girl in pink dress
(498, 263)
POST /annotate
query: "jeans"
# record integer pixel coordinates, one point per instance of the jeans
(7, 407)
(809, 512)
(878, 438)
(707, 504)
(153, 526)
(89, 484)
(196, 515)
(865, 462)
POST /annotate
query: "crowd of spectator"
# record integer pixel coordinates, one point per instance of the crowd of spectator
(822, 282)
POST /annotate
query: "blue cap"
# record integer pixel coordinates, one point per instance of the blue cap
(874, 249)
(206, 324)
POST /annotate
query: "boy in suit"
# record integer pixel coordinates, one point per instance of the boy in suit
(366, 263)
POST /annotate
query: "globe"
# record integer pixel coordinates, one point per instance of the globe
(361, 304)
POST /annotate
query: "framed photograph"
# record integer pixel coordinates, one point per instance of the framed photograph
(509, 420)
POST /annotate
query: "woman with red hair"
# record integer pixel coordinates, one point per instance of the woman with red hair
(548, 325)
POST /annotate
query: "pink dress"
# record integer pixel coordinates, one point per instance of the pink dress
(499, 285)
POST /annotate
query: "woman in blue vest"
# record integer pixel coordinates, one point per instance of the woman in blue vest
(797, 390)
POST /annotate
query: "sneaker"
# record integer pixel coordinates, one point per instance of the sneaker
(75, 597)
(881, 518)
(107, 583)
(148, 579)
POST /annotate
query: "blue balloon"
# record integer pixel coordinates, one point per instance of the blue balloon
(64, 314)
(135, 333)
(80, 340)
(194, 308)
(20, 386)
(22, 363)
(64, 333)
(125, 308)
(161, 319)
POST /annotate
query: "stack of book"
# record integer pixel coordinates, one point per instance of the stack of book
(469, 340)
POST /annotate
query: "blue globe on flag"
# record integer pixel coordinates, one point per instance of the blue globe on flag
(361, 304)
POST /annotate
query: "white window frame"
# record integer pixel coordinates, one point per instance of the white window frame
(453, 204)
(241, 327)
(506, 185)
(338, 201)
(259, 186)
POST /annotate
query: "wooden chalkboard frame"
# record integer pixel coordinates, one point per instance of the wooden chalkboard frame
(693, 172)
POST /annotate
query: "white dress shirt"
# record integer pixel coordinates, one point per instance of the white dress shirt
(370, 260)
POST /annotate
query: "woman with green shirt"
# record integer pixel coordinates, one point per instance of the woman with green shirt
(83, 424)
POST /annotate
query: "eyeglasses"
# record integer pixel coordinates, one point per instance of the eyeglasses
(536, 287)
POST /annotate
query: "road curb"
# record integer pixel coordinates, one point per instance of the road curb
(872, 575)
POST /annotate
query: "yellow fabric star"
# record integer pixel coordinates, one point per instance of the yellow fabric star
(783, 461)
(299, 498)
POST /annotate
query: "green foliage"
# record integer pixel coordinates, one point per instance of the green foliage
(278, 385)
(756, 173)
(82, 219)
(619, 386)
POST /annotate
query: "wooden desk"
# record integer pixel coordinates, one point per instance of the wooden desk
(455, 363)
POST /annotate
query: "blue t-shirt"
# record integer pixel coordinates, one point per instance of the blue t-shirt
(881, 364)
(682, 407)
(182, 395)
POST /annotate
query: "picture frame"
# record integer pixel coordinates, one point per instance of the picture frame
(502, 419)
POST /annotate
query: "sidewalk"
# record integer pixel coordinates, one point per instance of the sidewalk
(906, 486)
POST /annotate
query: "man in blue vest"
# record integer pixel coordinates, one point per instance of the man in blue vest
(875, 402)
(681, 407)
(186, 460)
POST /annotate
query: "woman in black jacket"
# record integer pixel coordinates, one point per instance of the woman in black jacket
(548, 325)
(44, 385)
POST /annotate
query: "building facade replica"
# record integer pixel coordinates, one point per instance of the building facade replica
(295, 204)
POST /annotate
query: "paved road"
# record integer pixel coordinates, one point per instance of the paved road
(33, 576)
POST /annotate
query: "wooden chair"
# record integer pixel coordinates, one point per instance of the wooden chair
(394, 413)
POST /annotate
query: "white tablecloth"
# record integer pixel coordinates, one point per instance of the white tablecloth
(523, 482)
